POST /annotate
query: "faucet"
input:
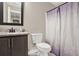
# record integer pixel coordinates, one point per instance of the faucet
(12, 30)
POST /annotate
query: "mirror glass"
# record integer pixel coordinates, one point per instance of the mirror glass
(12, 12)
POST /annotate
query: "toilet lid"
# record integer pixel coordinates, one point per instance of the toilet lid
(43, 45)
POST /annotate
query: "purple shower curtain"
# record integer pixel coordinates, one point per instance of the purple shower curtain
(53, 30)
(62, 29)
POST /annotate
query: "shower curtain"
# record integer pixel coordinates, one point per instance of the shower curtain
(62, 29)
(53, 30)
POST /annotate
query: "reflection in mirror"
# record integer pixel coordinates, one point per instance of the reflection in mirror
(12, 12)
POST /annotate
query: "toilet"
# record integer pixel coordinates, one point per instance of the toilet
(41, 48)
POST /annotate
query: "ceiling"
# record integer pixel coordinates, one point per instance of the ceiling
(55, 4)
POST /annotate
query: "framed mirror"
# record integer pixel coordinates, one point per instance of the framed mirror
(12, 13)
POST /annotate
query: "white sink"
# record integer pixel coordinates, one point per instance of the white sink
(12, 33)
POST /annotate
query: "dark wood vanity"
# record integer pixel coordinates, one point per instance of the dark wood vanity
(14, 45)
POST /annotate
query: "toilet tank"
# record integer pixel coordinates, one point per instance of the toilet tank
(36, 38)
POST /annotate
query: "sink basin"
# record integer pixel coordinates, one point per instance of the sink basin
(12, 33)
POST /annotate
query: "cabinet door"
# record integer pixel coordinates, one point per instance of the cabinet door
(19, 46)
(1, 12)
(4, 46)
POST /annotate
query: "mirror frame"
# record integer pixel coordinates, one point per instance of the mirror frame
(22, 16)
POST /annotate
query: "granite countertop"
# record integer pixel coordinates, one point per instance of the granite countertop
(12, 33)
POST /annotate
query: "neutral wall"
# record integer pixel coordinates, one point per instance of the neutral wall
(34, 19)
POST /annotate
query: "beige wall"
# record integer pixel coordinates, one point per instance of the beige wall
(34, 18)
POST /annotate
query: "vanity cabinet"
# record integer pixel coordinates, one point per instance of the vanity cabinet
(19, 45)
(4, 46)
(14, 45)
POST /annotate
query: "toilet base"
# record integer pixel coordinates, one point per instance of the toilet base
(43, 54)
(36, 52)
(33, 52)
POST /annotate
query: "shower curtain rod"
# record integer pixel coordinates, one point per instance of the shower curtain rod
(57, 6)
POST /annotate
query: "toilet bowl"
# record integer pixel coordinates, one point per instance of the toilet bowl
(44, 48)
(36, 52)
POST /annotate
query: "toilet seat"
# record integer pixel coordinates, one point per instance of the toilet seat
(44, 47)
